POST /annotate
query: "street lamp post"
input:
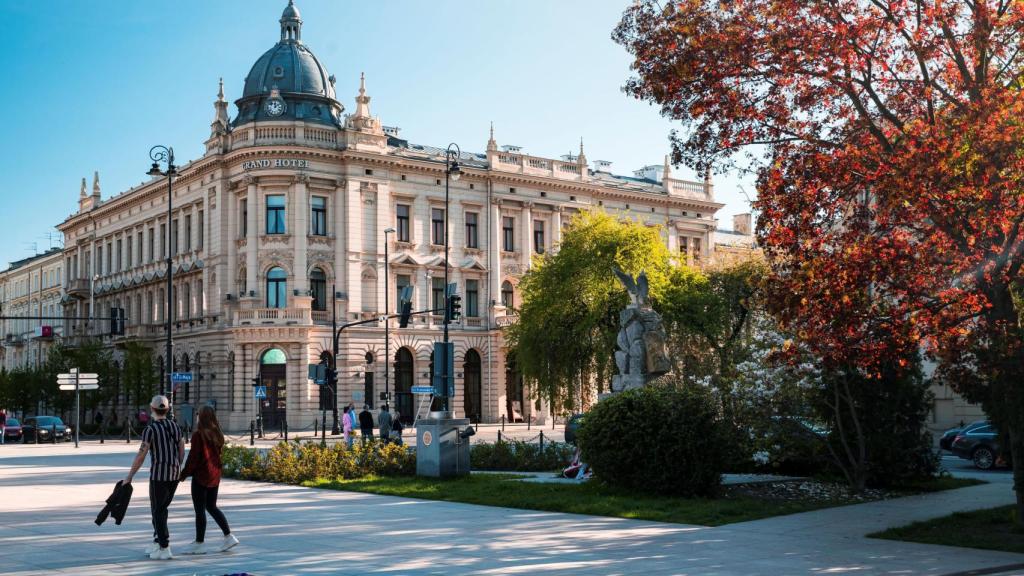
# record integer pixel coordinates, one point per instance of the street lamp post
(451, 172)
(387, 318)
(165, 154)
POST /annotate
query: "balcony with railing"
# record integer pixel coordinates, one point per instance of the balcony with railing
(297, 134)
(273, 316)
(79, 288)
(536, 166)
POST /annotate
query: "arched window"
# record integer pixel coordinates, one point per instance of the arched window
(186, 302)
(277, 297)
(318, 288)
(506, 295)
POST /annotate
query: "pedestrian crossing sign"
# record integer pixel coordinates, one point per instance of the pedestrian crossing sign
(260, 391)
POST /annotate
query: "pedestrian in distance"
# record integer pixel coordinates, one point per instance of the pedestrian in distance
(162, 440)
(204, 466)
(3, 426)
(354, 417)
(396, 430)
(366, 423)
(384, 423)
(98, 419)
(346, 426)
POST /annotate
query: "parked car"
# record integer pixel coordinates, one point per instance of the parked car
(12, 430)
(946, 441)
(48, 426)
(571, 427)
(979, 445)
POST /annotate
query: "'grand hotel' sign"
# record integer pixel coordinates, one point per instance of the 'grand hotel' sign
(278, 163)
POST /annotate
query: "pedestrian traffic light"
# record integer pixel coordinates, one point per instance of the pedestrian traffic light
(454, 309)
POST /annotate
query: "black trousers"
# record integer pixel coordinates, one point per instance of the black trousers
(204, 500)
(160, 495)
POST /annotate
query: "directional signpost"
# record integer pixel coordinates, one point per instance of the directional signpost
(77, 381)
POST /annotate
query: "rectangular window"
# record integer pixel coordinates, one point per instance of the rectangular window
(437, 225)
(538, 236)
(244, 225)
(163, 241)
(507, 233)
(471, 232)
(152, 251)
(403, 222)
(472, 298)
(437, 294)
(128, 256)
(110, 258)
(188, 233)
(401, 281)
(318, 219)
(174, 237)
(117, 257)
(696, 249)
(275, 214)
(202, 231)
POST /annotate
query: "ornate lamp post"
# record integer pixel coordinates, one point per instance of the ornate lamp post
(451, 172)
(165, 155)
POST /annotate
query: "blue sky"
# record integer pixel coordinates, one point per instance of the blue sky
(92, 85)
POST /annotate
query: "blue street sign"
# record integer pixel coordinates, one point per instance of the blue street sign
(181, 376)
(422, 389)
(260, 392)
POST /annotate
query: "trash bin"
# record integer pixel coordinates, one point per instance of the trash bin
(442, 445)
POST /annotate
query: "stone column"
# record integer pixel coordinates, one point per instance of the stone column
(556, 225)
(301, 216)
(495, 247)
(527, 228)
(673, 238)
(252, 206)
(384, 220)
(340, 233)
(353, 257)
(229, 241)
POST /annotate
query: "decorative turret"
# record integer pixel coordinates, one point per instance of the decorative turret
(667, 171)
(361, 119)
(291, 23)
(96, 185)
(220, 119)
(86, 203)
(582, 158)
(492, 146)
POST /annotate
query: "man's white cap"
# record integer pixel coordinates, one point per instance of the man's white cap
(160, 402)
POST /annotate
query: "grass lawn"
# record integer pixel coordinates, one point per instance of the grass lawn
(990, 529)
(590, 498)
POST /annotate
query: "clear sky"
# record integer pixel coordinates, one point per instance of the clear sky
(92, 85)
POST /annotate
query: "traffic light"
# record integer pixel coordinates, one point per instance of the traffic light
(405, 298)
(454, 309)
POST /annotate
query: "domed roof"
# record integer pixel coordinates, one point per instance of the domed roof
(290, 67)
(290, 72)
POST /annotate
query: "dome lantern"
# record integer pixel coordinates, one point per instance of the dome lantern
(291, 23)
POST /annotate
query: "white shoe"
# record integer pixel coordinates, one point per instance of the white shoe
(153, 547)
(229, 542)
(162, 554)
(196, 548)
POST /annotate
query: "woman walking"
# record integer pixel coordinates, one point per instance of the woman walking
(346, 423)
(203, 465)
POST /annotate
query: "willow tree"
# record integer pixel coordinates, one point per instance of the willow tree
(564, 339)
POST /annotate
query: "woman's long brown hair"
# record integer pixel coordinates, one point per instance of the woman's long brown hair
(209, 428)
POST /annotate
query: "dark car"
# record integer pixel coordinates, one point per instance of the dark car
(48, 426)
(571, 427)
(946, 441)
(979, 445)
(12, 430)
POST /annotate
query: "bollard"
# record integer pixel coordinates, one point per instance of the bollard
(127, 432)
(103, 427)
(316, 428)
(36, 431)
(529, 421)
(502, 422)
(53, 433)
(259, 427)
(285, 430)
(499, 436)
(541, 441)
(252, 433)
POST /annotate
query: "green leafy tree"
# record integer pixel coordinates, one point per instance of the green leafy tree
(138, 374)
(565, 337)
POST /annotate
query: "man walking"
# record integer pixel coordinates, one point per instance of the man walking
(162, 439)
(384, 422)
(366, 423)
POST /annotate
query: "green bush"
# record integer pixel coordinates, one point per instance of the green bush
(294, 463)
(520, 456)
(668, 440)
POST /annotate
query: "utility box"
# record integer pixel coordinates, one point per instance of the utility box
(441, 450)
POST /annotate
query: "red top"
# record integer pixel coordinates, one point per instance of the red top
(203, 462)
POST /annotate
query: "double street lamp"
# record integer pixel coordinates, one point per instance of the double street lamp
(451, 172)
(163, 154)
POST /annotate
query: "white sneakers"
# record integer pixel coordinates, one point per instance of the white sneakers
(229, 542)
(161, 554)
(153, 547)
(196, 548)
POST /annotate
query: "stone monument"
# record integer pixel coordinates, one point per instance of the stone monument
(641, 356)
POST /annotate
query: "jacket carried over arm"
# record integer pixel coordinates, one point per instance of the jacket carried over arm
(117, 504)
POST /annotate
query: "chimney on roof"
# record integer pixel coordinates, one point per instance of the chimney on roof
(743, 224)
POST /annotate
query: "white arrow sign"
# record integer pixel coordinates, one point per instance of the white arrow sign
(71, 375)
(71, 387)
(82, 379)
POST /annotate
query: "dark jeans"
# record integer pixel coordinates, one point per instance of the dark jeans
(367, 434)
(205, 500)
(160, 495)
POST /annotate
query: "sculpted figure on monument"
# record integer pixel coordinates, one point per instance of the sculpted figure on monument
(641, 356)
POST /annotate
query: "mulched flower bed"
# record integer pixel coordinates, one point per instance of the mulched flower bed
(808, 490)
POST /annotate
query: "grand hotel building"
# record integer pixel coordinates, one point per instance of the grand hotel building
(284, 216)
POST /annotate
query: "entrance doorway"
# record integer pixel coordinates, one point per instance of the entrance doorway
(273, 375)
(472, 391)
(514, 391)
(403, 384)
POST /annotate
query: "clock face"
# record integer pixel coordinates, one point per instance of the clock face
(275, 107)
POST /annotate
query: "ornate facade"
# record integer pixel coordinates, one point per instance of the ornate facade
(281, 224)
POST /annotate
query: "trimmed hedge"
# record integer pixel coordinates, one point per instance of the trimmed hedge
(658, 440)
(293, 463)
(520, 456)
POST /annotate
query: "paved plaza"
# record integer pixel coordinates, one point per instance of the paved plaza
(50, 495)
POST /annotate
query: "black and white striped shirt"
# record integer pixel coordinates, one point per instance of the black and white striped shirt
(163, 437)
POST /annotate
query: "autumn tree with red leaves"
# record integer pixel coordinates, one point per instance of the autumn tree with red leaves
(887, 138)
